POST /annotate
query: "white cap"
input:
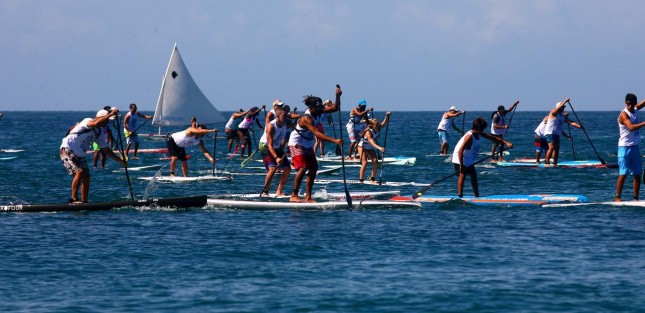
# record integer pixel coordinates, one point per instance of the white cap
(278, 102)
(454, 108)
(102, 113)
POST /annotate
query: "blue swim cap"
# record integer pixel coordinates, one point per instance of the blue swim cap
(362, 102)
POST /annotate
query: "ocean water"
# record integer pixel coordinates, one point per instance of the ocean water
(441, 258)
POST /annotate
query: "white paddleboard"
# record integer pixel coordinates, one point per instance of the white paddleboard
(181, 179)
(640, 203)
(12, 150)
(275, 205)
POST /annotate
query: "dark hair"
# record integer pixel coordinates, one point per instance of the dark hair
(201, 126)
(132, 105)
(631, 98)
(480, 123)
(310, 100)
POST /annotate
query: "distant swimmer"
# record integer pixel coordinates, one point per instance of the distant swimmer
(130, 129)
(78, 140)
(179, 141)
(465, 154)
(629, 157)
(448, 121)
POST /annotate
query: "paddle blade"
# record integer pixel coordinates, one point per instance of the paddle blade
(338, 151)
(248, 160)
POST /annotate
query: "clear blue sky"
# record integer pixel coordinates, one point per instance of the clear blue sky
(398, 55)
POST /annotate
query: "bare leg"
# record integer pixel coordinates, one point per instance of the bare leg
(637, 186)
(296, 185)
(85, 187)
(184, 168)
(310, 185)
(460, 185)
(474, 183)
(619, 187)
(136, 149)
(76, 182)
(268, 179)
(283, 181)
(173, 162)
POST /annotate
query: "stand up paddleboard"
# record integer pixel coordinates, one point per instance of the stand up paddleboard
(510, 200)
(327, 205)
(562, 164)
(321, 195)
(640, 203)
(181, 179)
(180, 202)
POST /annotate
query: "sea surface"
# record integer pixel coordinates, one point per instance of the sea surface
(442, 258)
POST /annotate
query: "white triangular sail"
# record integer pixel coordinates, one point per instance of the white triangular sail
(180, 98)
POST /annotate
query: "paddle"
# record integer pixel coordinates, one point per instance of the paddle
(331, 121)
(380, 179)
(214, 150)
(587, 135)
(426, 188)
(248, 160)
(342, 158)
(463, 123)
(136, 129)
(571, 139)
(123, 156)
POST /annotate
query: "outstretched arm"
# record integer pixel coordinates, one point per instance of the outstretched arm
(206, 153)
(307, 123)
(497, 139)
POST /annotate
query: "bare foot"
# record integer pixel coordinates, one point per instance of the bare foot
(309, 200)
(295, 199)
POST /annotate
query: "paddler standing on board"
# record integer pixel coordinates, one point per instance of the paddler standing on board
(230, 129)
(466, 151)
(448, 121)
(271, 147)
(302, 140)
(553, 129)
(355, 127)
(243, 130)
(179, 141)
(76, 142)
(498, 129)
(629, 157)
(539, 140)
(129, 129)
(368, 145)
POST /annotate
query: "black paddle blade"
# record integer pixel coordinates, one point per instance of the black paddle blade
(338, 152)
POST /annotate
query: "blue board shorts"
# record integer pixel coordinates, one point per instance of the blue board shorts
(443, 136)
(629, 161)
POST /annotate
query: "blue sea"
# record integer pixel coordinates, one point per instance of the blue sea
(450, 257)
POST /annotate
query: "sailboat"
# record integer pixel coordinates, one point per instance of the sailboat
(180, 98)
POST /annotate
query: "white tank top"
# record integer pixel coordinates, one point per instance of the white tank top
(469, 154)
(445, 123)
(278, 135)
(627, 137)
(540, 128)
(366, 144)
(232, 123)
(184, 141)
(500, 122)
(81, 137)
(554, 126)
(132, 122)
(303, 136)
(247, 121)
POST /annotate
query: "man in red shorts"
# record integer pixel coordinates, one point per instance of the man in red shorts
(302, 140)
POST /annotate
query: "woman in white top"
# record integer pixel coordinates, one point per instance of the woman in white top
(179, 141)
(272, 149)
(368, 145)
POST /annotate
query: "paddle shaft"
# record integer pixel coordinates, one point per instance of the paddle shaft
(426, 188)
(214, 150)
(342, 157)
(124, 157)
(338, 152)
(587, 135)
(380, 179)
(571, 139)
(136, 129)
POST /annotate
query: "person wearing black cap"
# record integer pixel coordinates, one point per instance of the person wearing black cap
(498, 128)
(629, 157)
(302, 140)
(73, 148)
(243, 129)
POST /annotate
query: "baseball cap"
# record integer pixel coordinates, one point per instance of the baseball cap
(278, 102)
(453, 108)
(105, 111)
